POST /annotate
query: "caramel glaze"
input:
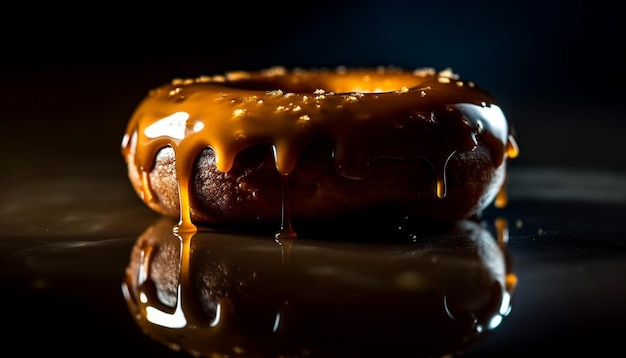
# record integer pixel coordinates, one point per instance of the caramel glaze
(367, 114)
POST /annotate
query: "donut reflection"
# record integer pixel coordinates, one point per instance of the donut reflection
(432, 292)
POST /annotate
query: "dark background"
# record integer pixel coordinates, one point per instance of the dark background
(557, 67)
(72, 75)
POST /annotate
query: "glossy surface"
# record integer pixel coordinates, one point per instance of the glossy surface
(69, 221)
(432, 292)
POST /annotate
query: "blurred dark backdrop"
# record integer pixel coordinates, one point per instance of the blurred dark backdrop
(72, 75)
(557, 67)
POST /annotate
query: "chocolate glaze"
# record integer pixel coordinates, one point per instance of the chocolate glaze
(366, 114)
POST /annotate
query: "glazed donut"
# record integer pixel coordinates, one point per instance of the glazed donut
(280, 145)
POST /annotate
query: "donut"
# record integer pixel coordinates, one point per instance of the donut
(282, 146)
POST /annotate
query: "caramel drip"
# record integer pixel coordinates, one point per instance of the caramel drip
(146, 189)
(441, 188)
(502, 237)
(367, 114)
(440, 177)
(511, 282)
(512, 149)
(286, 232)
(502, 230)
(184, 172)
(502, 197)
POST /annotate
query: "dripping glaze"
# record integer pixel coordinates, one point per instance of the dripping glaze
(290, 110)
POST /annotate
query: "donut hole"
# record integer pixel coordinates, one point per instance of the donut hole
(328, 81)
